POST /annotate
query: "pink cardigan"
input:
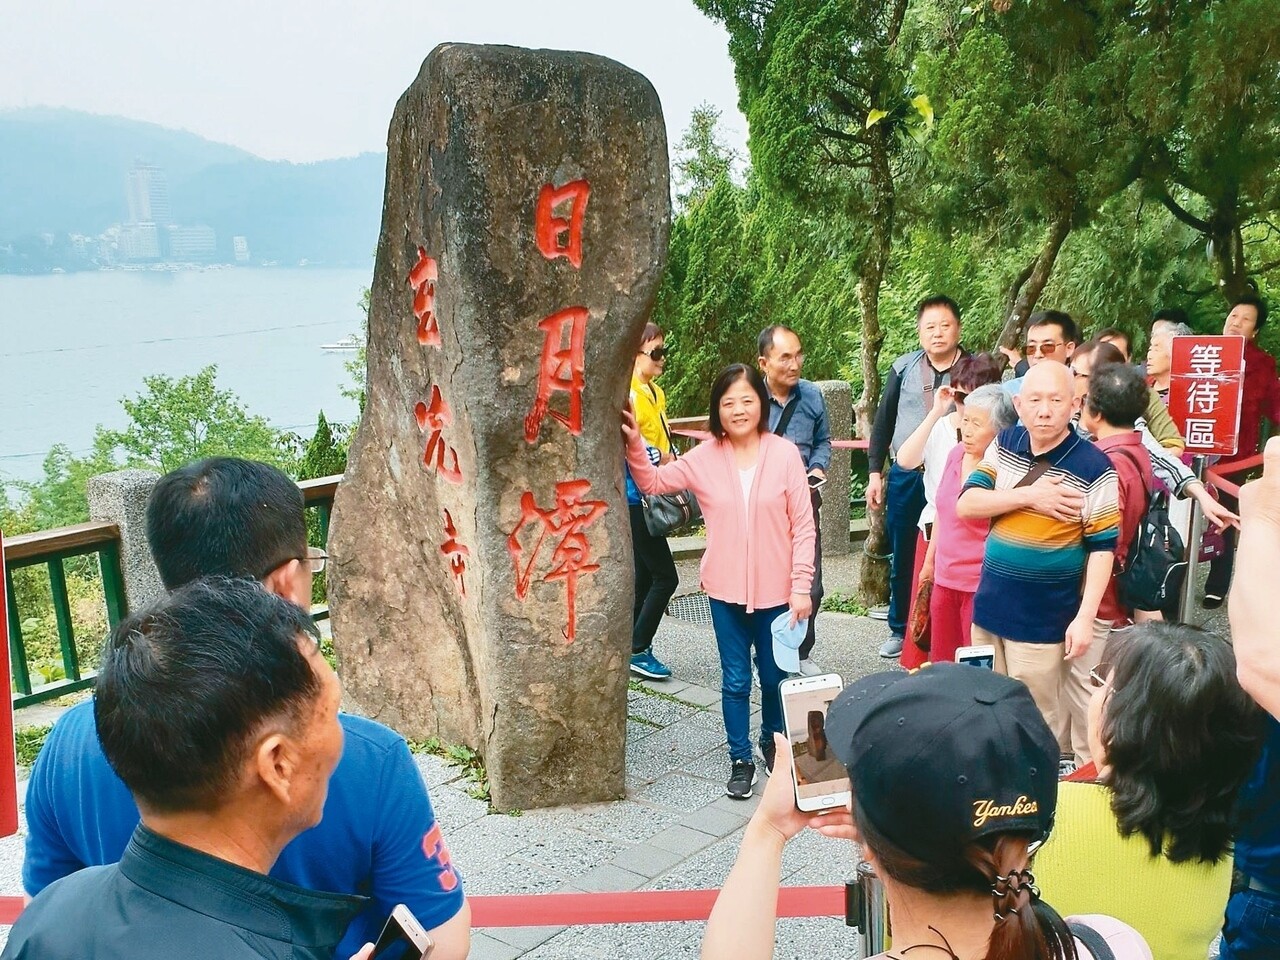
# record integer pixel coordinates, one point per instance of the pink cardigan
(760, 569)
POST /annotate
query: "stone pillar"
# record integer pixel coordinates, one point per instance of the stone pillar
(838, 397)
(121, 498)
(481, 573)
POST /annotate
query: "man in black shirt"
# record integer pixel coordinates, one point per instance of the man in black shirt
(908, 396)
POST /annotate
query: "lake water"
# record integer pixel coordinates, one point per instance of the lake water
(71, 346)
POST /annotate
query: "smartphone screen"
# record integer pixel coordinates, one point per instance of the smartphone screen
(402, 938)
(816, 482)
(821, 780)
(979, 656)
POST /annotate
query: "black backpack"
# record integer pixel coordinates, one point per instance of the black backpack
(1155, 565)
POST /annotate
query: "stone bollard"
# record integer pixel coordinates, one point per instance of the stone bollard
(120, 497)
(481, 575)
(835, 495)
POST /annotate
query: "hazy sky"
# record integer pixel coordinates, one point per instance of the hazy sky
(313, 79)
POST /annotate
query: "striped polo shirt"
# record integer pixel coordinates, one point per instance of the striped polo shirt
(1033, 565)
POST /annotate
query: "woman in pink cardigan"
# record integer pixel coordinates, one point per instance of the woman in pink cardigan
(758, 561)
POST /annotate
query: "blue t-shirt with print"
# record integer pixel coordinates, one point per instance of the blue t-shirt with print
(378, 836)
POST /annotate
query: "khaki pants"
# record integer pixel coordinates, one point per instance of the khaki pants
(1077, 690)
(1038, 665)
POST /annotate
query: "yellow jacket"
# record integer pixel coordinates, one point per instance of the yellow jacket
(1087, 867)
(650, 405)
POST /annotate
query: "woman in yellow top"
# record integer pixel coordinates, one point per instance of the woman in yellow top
(1144, 833)
(656, 579)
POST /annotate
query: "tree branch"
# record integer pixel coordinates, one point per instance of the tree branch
(1181, 213)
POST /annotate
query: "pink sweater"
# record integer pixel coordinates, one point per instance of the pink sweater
(757, 556)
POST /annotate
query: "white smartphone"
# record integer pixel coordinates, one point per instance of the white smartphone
(820, 780)
(983, 655)
(402, 937)
(816, 483)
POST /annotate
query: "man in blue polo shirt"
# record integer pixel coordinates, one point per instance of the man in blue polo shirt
(378, 835)
(1052, 498)
(798, 412)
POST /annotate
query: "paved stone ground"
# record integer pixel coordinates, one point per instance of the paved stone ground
(675, 830)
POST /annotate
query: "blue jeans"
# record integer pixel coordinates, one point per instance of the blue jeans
(903, 502)
(737, 632)
(1252, 929)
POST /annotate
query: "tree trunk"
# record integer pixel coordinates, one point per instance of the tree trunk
(1228, 256)
(1025, 291)
(874, 580)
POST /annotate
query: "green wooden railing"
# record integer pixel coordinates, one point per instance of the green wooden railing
(52, 548)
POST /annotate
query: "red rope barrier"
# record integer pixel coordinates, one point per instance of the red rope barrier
(573, 909)
(1217, 476)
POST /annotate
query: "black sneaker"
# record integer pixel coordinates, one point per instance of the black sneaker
(768, 750)
(1212, 601)
(741, 779)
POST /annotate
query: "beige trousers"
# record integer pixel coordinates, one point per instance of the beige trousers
(1077, 691)
(1061, 688)
(1038, 665)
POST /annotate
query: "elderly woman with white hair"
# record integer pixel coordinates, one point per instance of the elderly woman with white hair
(957, 545)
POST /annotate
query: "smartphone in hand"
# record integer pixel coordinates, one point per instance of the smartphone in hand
(402, 937)
(983, 655)
(816, 483)
(820, 780)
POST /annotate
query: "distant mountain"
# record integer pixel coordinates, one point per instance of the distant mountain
(62, 171)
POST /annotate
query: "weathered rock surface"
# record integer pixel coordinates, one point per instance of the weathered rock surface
(480, 583)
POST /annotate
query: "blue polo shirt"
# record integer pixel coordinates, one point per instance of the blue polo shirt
(808, 428)
(378, 836)
(1033, 563)
(1258, 836)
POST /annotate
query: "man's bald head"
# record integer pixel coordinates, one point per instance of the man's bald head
(1046, 404)
(1048, 375)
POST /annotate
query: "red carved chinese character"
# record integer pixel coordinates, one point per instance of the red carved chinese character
(571, 556)
(560, 369)
(434, 849)
(456, 552)
(423, 278)
(561, 236)
(435, 418)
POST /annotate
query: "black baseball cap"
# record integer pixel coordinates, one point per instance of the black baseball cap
(945, 755)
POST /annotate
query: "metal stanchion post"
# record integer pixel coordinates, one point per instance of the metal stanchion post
(865, 910)
(1194, 532)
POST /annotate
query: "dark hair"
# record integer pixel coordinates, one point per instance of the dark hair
(186, 685)
(731, 375)
(1102, 352)
(1258, 304)
(937, 300)
(1063, 321)
(1115, 333)
(764, 342)
(1181, 738)
(1118, 393)
(224, 517)
(1026, 928)
(1171, 315)
(974, 370)
(651, 332)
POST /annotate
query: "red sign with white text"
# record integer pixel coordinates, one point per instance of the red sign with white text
(8, 761)
(1206, 385)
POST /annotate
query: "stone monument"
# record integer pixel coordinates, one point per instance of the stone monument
(480, 583)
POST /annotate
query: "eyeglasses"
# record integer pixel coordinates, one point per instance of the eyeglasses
(1100, 674)
(1043, 349)
(315, 559)
(656, 354)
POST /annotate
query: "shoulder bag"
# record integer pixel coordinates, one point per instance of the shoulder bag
(665, 513)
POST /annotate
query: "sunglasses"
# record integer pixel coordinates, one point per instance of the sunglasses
(1043, 349)
(959, 396)
(1100, 674)
(656, 354)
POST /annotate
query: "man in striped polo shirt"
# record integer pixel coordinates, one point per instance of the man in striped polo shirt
(1053, 502)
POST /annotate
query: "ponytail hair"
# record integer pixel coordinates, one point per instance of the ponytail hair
(1025, 927)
